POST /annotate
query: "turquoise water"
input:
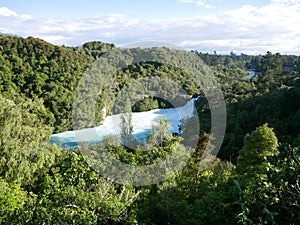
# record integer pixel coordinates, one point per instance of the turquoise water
(142, 123)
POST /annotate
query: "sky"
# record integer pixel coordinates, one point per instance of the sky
(250, 27)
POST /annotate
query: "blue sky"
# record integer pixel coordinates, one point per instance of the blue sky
(143, 9)
(244, 26)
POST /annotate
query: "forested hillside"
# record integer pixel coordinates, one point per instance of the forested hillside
(254, 180)
(36, 69)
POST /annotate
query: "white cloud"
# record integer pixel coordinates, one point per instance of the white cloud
(248, 29)
(285, 2)
(7, 12)
(202, 3)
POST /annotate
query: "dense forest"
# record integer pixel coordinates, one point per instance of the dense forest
(253, 180)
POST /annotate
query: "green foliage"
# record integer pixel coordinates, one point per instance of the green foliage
(269, 194)
(259, 145)
(22, 133)
(271, 64)
(280, 109)
(127, 129)
(12, 197)
(159, 133)
(38, 69)
(145, 104)
(96, 48)
(240, 61)
(72, 193)
(41, 184)
(156, 69)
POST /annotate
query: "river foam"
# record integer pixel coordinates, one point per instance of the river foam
(142, 123)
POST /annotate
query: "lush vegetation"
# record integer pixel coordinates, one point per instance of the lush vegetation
(254, 180)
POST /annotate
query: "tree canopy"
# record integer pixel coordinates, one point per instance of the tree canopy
(254, 180)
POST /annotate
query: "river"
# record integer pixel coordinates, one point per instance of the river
(142, 123)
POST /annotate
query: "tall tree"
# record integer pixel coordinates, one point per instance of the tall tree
(23, 152)
(258, 145)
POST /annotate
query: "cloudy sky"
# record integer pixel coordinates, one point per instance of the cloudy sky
(251, 27)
